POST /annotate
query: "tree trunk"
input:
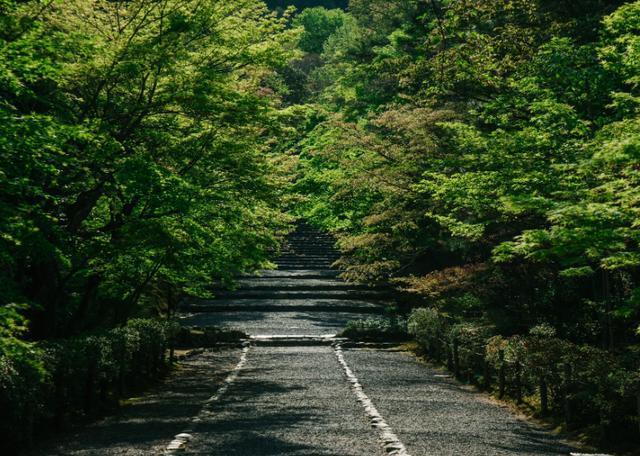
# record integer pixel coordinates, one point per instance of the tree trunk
(456, 358)
(638, 409)
(88, 299)
(45, 291)
(82, 207)
(518, 382)
(501, 375)
(567, 395)
(608, 321)
(486, 375)
(132, 300)
(544, 397)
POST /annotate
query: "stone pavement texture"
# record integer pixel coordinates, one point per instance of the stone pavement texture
(287, 401)
(293, 398)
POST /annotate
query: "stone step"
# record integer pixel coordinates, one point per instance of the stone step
(298, 257)
(294, 258)
(309, 255)
(303, 259)
(310, 244)
(344, 294)
(296, 273)
(304, 264)
(319, 252)
(308, 232)
(295, 340)
(299, 283)
(315, 256)
(282, 305)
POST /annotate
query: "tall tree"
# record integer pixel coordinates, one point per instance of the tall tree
(133, 151)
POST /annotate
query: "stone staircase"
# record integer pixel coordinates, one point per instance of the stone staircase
(302, 297)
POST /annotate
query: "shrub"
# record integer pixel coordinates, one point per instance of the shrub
(579, 384)
(428, 327)
(376, 329)
(49, 383)
(22, 374)
(466, 344)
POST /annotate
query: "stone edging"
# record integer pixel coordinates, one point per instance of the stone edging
(391, 442)
(180, 440)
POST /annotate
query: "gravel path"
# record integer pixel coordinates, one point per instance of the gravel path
(287, 401)
(296, 401)
(272, 323)
(434, 416)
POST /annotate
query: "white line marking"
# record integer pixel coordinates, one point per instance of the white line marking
(179, 441)
(390, 441)
(291, 336)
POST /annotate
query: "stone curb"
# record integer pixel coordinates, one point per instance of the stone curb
(179, 442)
(391, 443)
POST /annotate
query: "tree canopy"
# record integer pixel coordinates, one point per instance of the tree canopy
(135, 152)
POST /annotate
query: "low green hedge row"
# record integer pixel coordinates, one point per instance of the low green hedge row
(46, 384)
(376, 329)
(584, 386)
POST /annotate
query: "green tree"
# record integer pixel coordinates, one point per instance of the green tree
(318, 24)
(133, 149)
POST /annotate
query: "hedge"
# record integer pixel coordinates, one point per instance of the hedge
(376, 329)
(45, 385)
(583, 386)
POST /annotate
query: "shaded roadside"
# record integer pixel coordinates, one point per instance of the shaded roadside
(145, 425)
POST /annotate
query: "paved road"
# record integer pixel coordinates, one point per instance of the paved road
(295, 399)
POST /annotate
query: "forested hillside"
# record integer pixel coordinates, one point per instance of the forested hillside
(481, 156)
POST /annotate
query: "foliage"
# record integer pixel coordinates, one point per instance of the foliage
(378, 329)
(482, 156)
(63, 379)
(302, 4)
(428, 326)
(135, 153)
(318, 24)
(597, 389)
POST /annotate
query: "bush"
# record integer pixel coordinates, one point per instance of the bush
(22, 374)
(428, 327)
(48, 384)
(466, 345)
(580, 385)
(377, 329)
